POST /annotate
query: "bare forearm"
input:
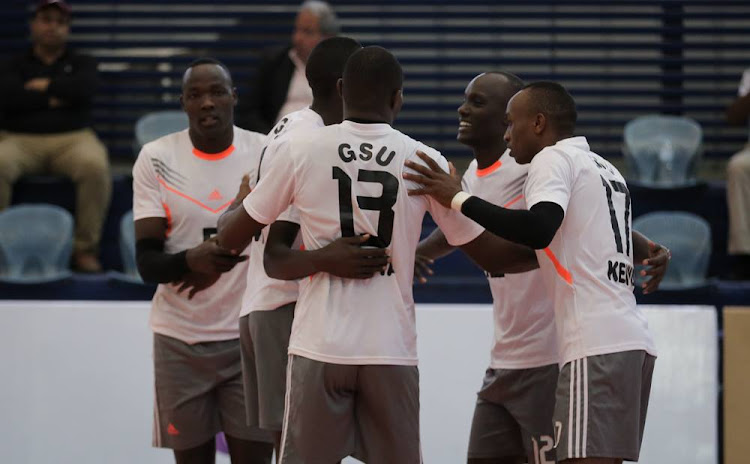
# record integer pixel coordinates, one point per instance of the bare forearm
(435, 245)
(640, 247)
(286, 264)
(497, 255)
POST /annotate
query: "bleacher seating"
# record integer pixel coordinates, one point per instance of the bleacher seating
(620, 59)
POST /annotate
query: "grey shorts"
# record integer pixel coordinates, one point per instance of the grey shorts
(601, 406)
(198, 393)
(370, 412)
(264, 337)
(513, 415)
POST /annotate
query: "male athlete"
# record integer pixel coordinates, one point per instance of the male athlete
(353, 386)
(182, 182)
(579, 222)
(268, 304)
(513, 414)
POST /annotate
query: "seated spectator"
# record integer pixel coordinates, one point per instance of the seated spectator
(738, 187)
(280, 86)
(46, 96)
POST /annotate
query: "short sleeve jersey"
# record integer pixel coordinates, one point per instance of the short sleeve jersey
(589, 263)
(190, 189)
(522, 309)
(346, 179)
(264, 293)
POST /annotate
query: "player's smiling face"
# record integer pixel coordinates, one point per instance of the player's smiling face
(208, 99)
(481, 116)
(520, 135)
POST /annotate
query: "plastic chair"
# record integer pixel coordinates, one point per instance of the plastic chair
(127, 252)
(662, 151)
(36, 242)
(158, 124)
(688, 237)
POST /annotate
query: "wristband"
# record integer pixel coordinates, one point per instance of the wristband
(458, 200)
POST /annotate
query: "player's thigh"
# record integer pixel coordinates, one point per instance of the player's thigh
(495, 435)
(601, 406)
(388, 414)
(319, 422)
(265, 360)
(185, 406)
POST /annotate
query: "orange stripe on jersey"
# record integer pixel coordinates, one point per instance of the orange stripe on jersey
(168, 213)
(489, 169)
(564, 273)
(213, 156)
(189, 198)
(515, 200)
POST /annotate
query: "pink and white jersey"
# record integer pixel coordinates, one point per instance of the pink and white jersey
(589, 264)
(190, 189)
(346, 179)
(523, 310)
(262, 292)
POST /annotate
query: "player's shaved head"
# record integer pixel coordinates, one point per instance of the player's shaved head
(371, 79)
(207, 61)
(325, 66)
(505, 84)
(555, 103)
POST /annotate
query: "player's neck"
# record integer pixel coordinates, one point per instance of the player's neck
(213, 144)
(330, 112)
(369, 116)
(487, 155)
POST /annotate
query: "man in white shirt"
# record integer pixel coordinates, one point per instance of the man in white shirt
(353, 385)
(579, 223)
(268, 304)
(181, 183)
(514, 409)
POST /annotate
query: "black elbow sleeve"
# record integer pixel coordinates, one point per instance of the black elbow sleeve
(156, 266)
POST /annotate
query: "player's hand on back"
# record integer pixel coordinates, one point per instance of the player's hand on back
(210, 258)
(196, 282)
(440, 185)
(244, 189)
(345, 257)
(656, 266)
(422, 268)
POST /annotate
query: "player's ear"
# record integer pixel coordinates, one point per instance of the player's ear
(540, 123)
(397, 101)
(340, 87)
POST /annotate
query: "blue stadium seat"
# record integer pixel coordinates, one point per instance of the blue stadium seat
(688, 237)
(36, 242)
(127, 252)
(158, 124)
(662, 151)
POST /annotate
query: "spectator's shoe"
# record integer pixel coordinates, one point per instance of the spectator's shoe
(86, 262)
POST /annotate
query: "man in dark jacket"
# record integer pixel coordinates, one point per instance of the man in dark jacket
(280, 86)
(46, 97)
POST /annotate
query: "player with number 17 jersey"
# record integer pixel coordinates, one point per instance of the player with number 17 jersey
(345, 321)
(589, 263)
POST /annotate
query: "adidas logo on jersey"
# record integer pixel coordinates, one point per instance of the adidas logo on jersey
(172, 430)
(215, 195)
